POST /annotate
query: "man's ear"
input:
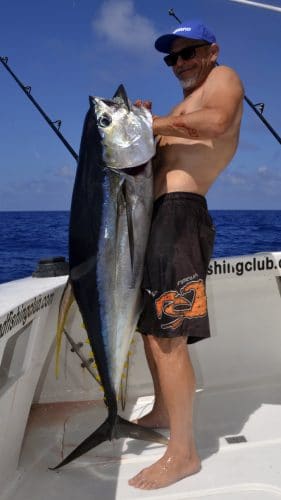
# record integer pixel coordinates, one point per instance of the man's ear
(214, 52)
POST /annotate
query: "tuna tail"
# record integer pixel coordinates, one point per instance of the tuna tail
(99, 436)
(106, 432)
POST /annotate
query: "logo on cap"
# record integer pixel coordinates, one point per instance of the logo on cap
(182, 29)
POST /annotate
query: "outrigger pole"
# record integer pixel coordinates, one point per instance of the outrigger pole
(54, 125)
(257, 108)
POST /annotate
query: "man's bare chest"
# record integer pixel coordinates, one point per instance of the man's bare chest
(188, 105)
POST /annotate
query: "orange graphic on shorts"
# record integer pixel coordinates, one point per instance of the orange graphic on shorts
(189, 303)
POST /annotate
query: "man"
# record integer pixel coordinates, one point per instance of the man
(195, 143)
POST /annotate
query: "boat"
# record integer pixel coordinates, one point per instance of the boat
(237, 412)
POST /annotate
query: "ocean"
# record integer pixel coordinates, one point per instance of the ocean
(27, 237)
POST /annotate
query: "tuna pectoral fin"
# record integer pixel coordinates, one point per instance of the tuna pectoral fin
(125, 200)
(121, 429)
(130, 236)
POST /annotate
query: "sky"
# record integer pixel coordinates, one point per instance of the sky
(67, 50)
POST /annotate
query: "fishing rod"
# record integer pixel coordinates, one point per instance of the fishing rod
(257, 108)
(54, 125)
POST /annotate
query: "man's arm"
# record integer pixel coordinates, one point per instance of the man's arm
(221, 99)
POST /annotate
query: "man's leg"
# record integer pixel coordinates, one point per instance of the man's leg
(177, 384)
(158, 416)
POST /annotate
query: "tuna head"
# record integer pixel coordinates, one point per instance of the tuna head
(125, 130)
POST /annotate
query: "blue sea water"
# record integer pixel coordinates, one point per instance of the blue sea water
(27, 237)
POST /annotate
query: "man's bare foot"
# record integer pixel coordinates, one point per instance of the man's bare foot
(169, 469)
(154, 419)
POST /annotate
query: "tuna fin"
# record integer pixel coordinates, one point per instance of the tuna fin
(122, 94)
(124, 429)
(123, 204)
(103, 433)
(130, 225)
(124, 378)
(121, 429)
(66, 302)
(87, 363)
(130, 236)
(124, 384)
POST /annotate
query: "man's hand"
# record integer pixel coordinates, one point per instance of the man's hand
(146, 104)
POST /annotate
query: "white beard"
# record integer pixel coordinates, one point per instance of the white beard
(188, 83)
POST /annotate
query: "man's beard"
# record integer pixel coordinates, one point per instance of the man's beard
(188, 83)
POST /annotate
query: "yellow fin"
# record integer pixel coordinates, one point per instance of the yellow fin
(124, 377)
(66, 302)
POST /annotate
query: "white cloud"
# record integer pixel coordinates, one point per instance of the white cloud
(49, 193)
(247, 188)
(66, 172)
(235, 179)
(119, 24)
(263, 170)
(263, 180)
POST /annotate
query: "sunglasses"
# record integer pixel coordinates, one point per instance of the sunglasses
(186, 53)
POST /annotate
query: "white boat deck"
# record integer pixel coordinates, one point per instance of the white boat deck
(240, 471)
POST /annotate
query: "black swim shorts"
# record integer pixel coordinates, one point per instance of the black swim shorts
(179, 249)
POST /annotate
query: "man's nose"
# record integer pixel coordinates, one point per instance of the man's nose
(180, 61)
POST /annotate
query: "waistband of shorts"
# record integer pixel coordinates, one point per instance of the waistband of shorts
(181, 195)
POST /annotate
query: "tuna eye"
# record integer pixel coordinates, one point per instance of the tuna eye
(104, 120)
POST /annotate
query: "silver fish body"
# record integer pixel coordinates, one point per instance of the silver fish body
(120, 262)
(109, 226)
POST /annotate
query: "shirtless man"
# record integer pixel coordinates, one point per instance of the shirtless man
(195, 143)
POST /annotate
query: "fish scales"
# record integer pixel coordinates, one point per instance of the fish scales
(109, 225)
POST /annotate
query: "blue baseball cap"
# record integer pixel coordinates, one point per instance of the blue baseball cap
(192, 30)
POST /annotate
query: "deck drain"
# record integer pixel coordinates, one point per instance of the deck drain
(236, 439)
